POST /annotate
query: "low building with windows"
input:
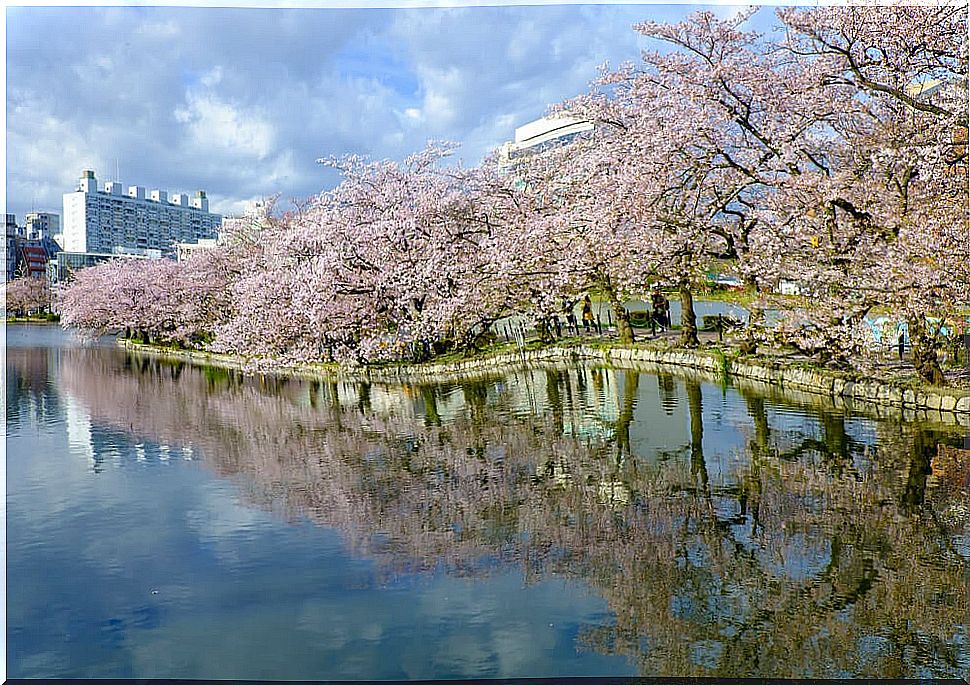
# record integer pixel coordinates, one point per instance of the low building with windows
(27, 256)
(185, 250)
(65, 263)
(32, 258)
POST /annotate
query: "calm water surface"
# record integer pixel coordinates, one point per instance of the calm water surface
(171, 521)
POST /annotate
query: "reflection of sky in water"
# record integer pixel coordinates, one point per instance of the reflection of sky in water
(128, 556)
(126, 562)
(151, 571)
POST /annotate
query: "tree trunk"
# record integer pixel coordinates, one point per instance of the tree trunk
(544, 330)
(925, 361)
(749, 342)
(623, 328)
(688, 319)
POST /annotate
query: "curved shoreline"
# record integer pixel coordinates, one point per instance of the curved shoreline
(950, 405)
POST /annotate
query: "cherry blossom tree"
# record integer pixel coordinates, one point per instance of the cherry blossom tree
(575, 230)
(709, 128)
(26, 295)
(108, 297)
(149, 298)
(779, 154)
(884, 222)
(386, 265)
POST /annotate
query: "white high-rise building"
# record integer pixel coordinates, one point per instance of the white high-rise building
(114, 220)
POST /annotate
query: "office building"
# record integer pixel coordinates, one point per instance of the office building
(40, 225)
(110, 219)
(11, 271)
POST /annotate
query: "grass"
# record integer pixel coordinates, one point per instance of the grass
(39, 318)
(723, 360)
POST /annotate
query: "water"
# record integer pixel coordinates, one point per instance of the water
(171, 521)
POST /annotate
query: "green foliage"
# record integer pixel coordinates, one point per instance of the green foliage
(723, 362)
(40, 317)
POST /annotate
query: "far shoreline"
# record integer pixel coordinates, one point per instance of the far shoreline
(42, 322)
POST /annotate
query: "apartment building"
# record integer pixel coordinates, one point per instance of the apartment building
(112, 219)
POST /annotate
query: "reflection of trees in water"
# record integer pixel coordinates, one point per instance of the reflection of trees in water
(811, 555)
(30, 393)
(698, 467)
(834, 580)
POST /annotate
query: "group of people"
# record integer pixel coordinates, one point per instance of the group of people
(660, 314)
(586, 313)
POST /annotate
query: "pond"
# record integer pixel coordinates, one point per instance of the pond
(173, 521)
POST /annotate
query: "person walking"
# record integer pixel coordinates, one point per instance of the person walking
(571, 322)
(587, 313)
(658, 302)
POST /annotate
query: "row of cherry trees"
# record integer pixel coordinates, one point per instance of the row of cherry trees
(830, 156)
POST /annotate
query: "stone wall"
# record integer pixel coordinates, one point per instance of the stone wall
(951, 405)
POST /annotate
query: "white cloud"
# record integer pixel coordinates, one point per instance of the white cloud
(218, 126)
(159, 29)
(212, 77)
(443, 88)
(242, 102)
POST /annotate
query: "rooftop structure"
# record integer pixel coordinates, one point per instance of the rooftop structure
(540, 134)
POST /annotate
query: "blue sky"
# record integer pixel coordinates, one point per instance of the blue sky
(242, 102)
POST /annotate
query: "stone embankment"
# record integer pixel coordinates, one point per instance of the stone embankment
(950, 404)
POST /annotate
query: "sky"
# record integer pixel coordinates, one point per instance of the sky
(242, 102)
